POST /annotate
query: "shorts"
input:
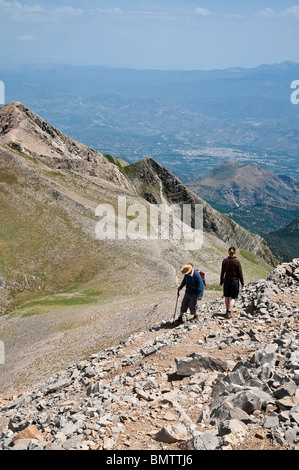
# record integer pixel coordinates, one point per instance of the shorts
(189, 301)
(231, 289)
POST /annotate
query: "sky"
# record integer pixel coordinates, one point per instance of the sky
(150, 34)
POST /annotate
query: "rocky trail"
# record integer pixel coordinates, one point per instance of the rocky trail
(214, 384)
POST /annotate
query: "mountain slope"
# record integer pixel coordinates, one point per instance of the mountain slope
(26, 132)
(161, 387)
(50, 187)
(66, 293)
(156, 184)
(285, 242)
(255, 197)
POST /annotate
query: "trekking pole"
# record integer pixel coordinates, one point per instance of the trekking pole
(177, 299)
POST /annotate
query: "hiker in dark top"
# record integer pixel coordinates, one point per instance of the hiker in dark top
(231, 277)
(194, 291)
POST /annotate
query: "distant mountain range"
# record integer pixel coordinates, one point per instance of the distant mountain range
(50, 186)
(255, 197)
(188, 121)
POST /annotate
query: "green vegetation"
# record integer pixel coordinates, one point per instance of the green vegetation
(116, 161)
(47, 243)
(214, 288)
(44, 304)
(284, 242)
(253, 266)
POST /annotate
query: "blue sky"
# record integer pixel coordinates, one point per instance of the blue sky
(150, 34)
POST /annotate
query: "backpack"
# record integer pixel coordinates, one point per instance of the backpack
(203, 276)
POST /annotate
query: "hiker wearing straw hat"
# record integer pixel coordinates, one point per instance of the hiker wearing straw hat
(194, 291)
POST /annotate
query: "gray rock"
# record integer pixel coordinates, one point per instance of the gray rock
(206, 441)
(6, 443)
(172, 433)
(295, 417)
(18, 423)
(73, 442)
(251, 400)
(19, 402)
(108, 443)
(35, 445)
(291, 434)
(53, 446)
(271, 422)
(93, 389)
(234, 426)
(196, 363)
(21, 444)
(240, 415)
(220, 410)
(296, 376)
(286, 390)
(64, 383)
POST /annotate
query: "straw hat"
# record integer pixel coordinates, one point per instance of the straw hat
(187, 269)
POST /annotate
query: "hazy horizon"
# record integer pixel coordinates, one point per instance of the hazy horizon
(44, 65)
(149, 35)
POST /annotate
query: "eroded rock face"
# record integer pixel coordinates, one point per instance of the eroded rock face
(26, 132)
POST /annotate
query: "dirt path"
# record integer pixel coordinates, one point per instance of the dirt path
(38, 346)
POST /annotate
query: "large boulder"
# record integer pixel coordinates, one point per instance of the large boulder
(195, 363)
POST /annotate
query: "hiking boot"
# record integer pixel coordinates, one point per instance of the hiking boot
(228, 315)
(181, 319)
(195, 318)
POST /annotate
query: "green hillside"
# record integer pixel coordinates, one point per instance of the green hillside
(285, 242)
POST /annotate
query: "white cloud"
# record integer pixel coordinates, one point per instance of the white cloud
(149, 13)
(292, 12)
(114, 11)
(16, 11)
(15, 7)
(203, 12)
(269, 13)
(66, 11)
(233, 16)
(26, 37)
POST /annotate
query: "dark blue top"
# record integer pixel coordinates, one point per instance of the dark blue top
(194, 285)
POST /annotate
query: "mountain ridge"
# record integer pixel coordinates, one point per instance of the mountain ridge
(174, 191)
(284, 242)
(18, 124)
(59, 155)
(246, 191)
(61, 286)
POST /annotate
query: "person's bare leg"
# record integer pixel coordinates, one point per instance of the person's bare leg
(231, 304)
